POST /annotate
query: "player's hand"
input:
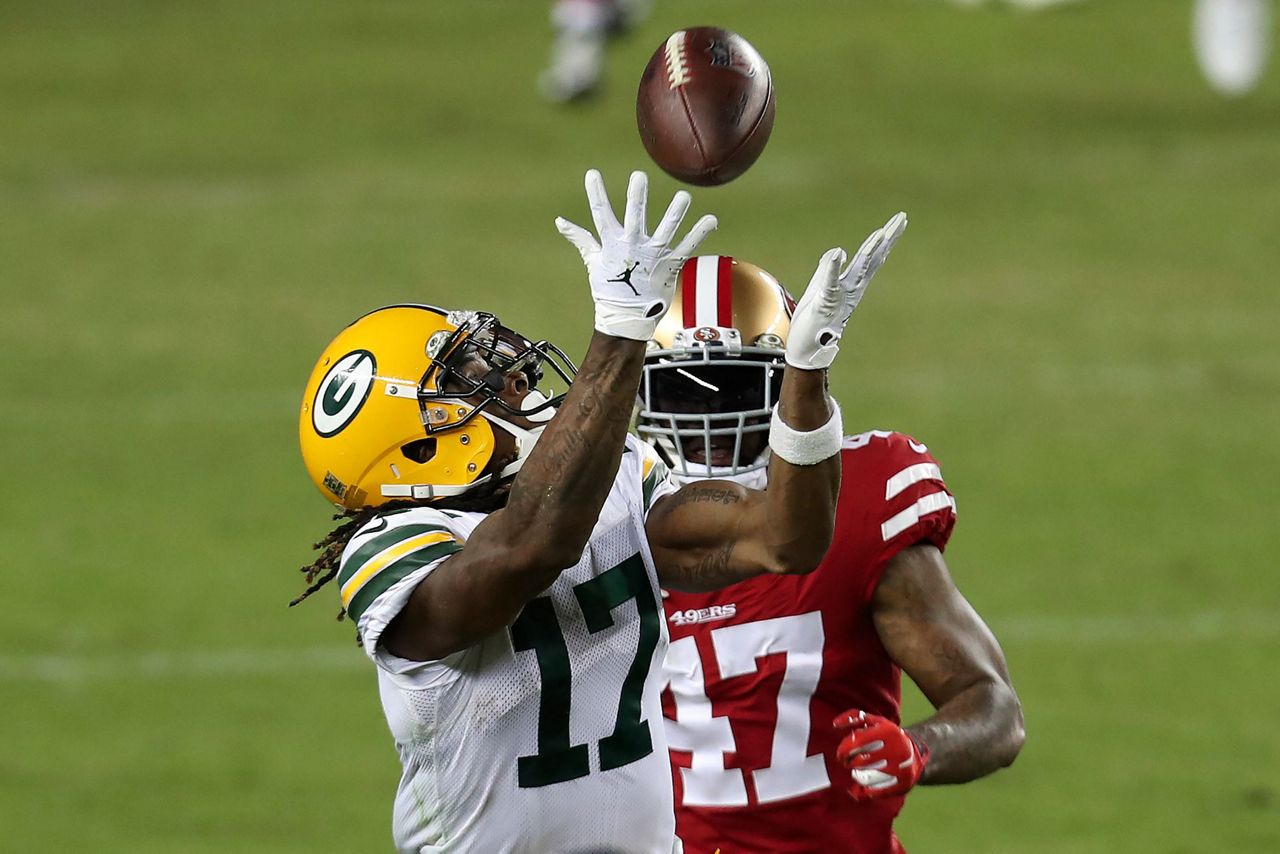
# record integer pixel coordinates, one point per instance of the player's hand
(832, 296)
(632, 274)
(882, 757)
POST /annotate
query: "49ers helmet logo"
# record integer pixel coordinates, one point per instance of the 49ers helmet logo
(342, 392)
(707, 333)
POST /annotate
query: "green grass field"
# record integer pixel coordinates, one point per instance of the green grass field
(194, 196)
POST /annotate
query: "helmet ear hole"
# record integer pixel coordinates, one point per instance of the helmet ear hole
(420, 450)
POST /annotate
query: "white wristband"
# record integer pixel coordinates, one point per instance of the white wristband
(807, 448)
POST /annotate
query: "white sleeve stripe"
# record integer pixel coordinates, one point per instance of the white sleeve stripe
(909, 475)
(931, 503)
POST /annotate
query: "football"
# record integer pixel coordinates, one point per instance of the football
(705, 105)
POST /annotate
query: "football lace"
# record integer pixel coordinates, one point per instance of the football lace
(677, 67)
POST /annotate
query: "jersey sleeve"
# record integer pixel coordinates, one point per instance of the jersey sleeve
(894, 497)
(655, 477)
(385, 561)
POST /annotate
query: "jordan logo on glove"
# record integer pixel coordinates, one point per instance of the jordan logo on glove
(625, 278)
(649, 263)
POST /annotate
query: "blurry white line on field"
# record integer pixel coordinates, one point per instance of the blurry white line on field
(1150, 628)
(179, 664)
(156, 410)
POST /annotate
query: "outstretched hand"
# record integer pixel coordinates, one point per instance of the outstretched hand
(833, 294)
(632, 273)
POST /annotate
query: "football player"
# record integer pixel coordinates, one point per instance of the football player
(1232, 42)
(583, 28)
(515, 619)
(783, 711)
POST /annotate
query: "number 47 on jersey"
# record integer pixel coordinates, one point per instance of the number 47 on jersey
(708, 737)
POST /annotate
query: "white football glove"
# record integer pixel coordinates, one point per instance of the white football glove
(632, 275)
(832, 295)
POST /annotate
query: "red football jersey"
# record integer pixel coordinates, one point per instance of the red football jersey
(757, 671)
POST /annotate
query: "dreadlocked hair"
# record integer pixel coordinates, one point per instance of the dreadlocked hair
(325, 567)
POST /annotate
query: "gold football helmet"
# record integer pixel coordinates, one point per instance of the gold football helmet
(714, 369)
(388, 413)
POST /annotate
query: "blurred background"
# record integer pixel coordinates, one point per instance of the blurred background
(1080, 322)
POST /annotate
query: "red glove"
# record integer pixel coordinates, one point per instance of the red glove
(884, 758)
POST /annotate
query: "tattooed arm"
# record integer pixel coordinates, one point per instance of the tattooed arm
(713, 533)
(933, 634)
(516, 552)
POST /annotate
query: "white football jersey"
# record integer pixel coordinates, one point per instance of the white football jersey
(546, 736)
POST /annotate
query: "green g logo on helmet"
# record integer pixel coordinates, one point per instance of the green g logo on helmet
(343, 392)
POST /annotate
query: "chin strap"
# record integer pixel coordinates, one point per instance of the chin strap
(525, 441)
(425, 491)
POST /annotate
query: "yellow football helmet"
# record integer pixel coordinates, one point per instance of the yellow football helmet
(388, 414)
(714, 369)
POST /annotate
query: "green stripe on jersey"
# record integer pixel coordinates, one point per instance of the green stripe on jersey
(380, 543)
(382, 582)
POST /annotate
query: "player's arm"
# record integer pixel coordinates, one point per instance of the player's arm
(714, 533)
(518, 551)
(931, 632)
